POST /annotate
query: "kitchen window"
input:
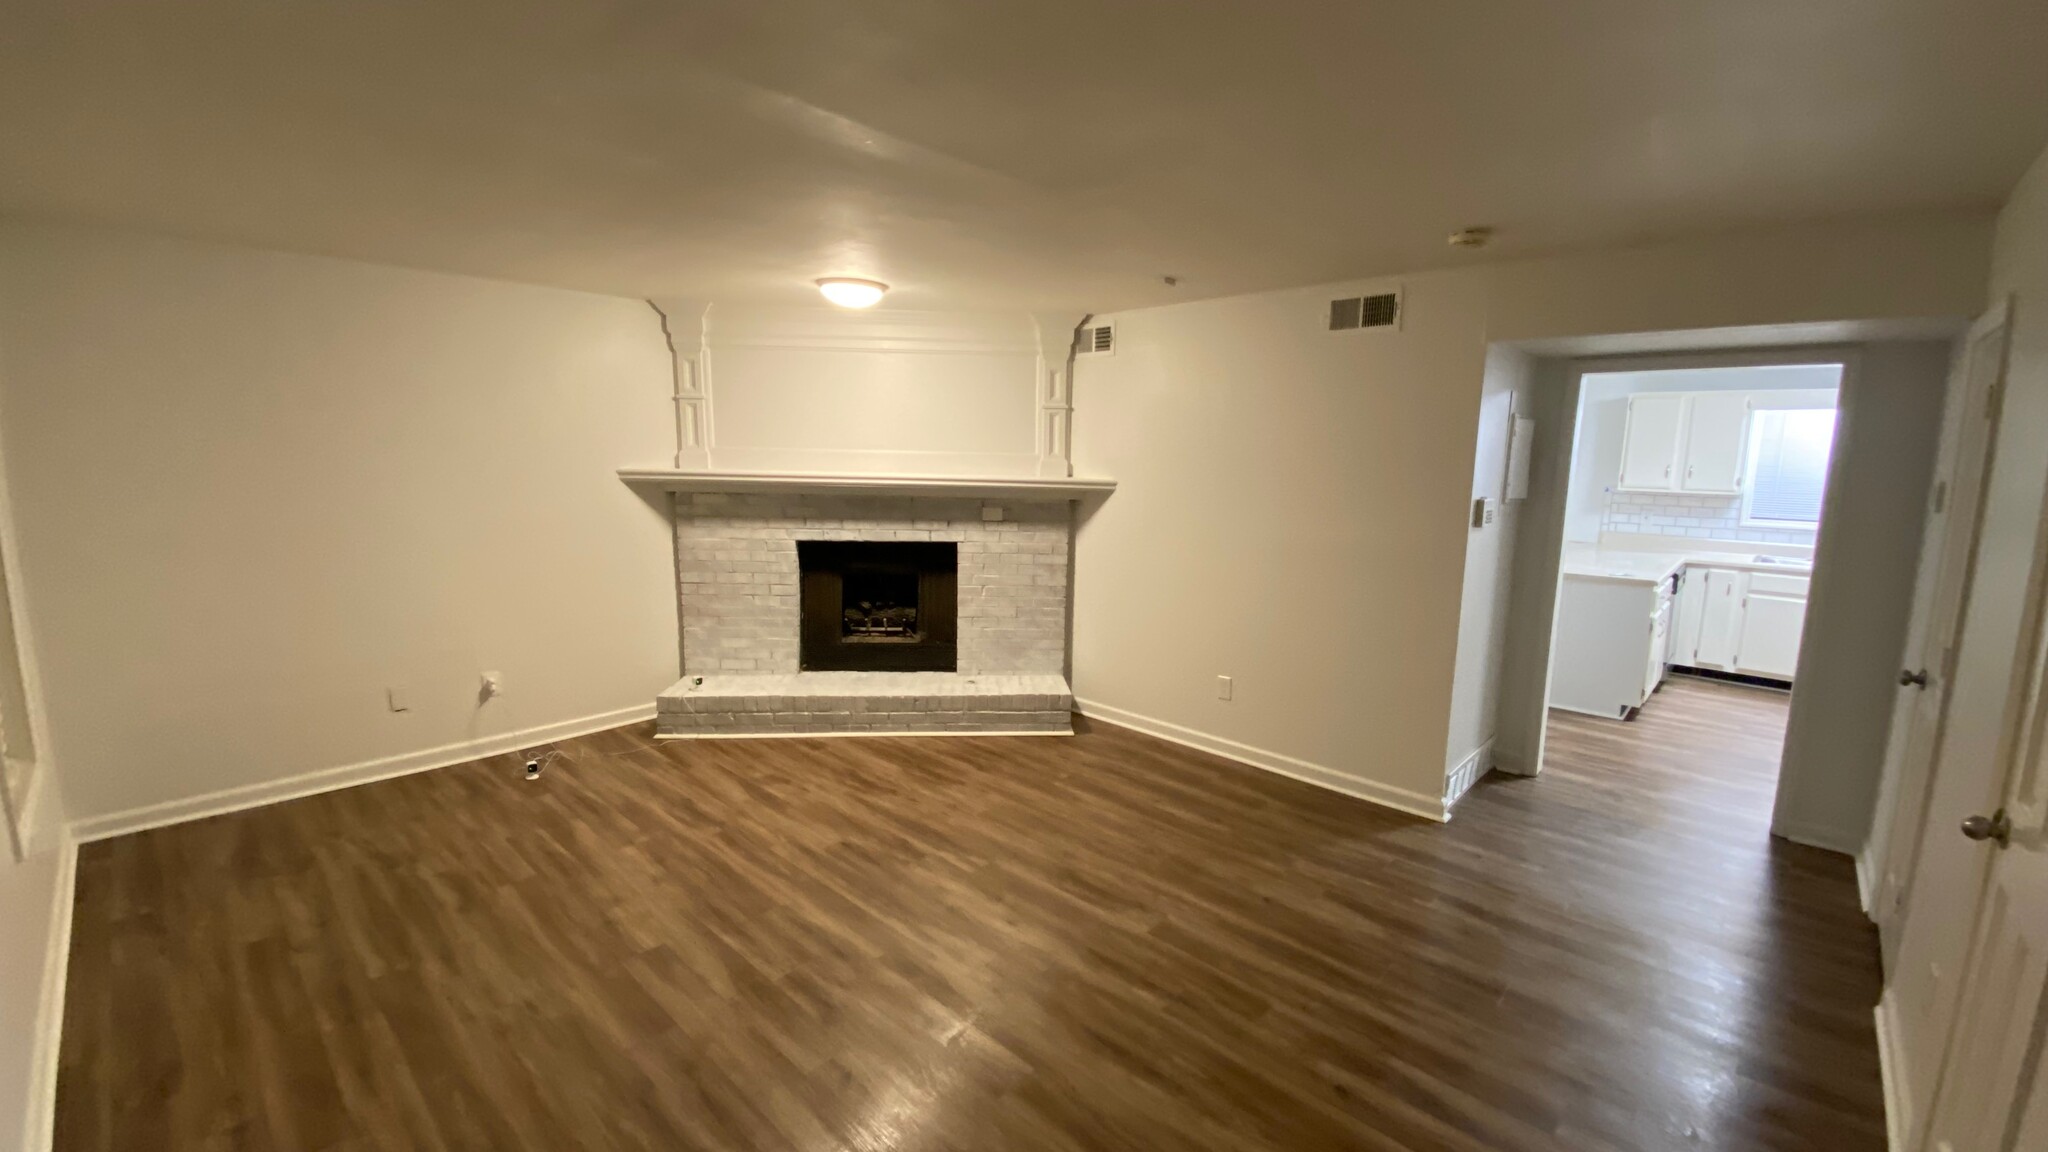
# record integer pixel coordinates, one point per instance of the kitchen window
(1788, 467)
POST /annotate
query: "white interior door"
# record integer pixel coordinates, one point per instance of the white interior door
(1649, 447)
(1948, 551)
(1988, 675)
(1715, 440)
(1994, 1082)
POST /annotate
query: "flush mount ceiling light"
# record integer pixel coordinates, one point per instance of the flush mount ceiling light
(850, 293)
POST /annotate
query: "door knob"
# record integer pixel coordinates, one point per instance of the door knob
(1911, 679)
(1997, 826)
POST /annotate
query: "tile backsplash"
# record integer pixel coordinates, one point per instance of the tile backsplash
(1696, 517)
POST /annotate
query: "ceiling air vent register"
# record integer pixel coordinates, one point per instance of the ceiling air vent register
(1096, 340)
(1381, 311)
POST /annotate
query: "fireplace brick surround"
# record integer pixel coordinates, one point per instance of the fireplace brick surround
(740, 601)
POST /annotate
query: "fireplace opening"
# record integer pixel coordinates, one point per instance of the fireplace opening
(878, 606)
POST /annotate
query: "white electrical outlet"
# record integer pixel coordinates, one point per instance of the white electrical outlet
(397, 699)
(1223, 687)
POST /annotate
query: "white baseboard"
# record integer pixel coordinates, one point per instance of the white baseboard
(1866, 882)
(851, 735)
(39, 1130)
(347, 776)
(1510, 765)
(1817, 836)
(1898, 1106)
(1400, 799)
(1468, 773)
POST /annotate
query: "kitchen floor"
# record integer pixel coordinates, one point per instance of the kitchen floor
(1703, 751)
(1103, 942)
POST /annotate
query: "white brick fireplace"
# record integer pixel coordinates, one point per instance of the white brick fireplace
(740, 595)
(937, 445)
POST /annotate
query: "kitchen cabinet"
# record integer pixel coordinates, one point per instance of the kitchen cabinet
(1660, 647)
(1730, 620)
(1650, 443)
(1609, 650)
(1773, 616)
(1685, 442)
(1716, 438)
(1685, 623)
(1720, 619)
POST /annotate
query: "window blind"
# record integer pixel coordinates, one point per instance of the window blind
(1789, 464)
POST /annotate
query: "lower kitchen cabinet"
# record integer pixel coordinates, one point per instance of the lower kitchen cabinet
(1611, 644)
(1773, 616)
(1744, 622)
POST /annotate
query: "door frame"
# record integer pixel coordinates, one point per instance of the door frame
(1896, 828)
(1539, 560)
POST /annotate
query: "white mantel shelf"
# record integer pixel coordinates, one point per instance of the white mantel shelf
(1004, 488)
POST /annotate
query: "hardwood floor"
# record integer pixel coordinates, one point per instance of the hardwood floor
(1107, 942)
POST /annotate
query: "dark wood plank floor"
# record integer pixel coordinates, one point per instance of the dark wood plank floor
(985, 943)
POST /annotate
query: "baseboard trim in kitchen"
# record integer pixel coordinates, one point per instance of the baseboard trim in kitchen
(1731, 677)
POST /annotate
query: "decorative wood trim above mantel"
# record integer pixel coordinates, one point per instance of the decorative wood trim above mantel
(1003, 488)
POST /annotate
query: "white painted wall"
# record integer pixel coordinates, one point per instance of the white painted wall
(253, 489)
(1292, 503)
(1506, 389)
(828, 390)
(1603, 418)
(1860, 601)
(1289, 512)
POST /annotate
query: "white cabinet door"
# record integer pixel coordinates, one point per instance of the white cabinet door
(1649, 448)
(1660, 639)
(1771, 623)
(1685, 627)
(1720, 620)
(1717, 434)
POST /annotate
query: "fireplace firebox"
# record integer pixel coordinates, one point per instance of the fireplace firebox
(879, 606)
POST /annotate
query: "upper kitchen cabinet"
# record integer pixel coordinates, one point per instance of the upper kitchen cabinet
(1716, 432)
(1649, 447)
(1685, 442)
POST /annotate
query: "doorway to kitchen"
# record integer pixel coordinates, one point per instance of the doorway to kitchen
(1800, 570)
(1695, 499)
(1692, 511)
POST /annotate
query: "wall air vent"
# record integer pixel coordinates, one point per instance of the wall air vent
(1381, 311)
(1096, 340)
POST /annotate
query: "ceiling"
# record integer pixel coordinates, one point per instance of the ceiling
(1061, 153)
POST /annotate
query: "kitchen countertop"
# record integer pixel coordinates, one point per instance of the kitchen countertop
(1589, 561)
